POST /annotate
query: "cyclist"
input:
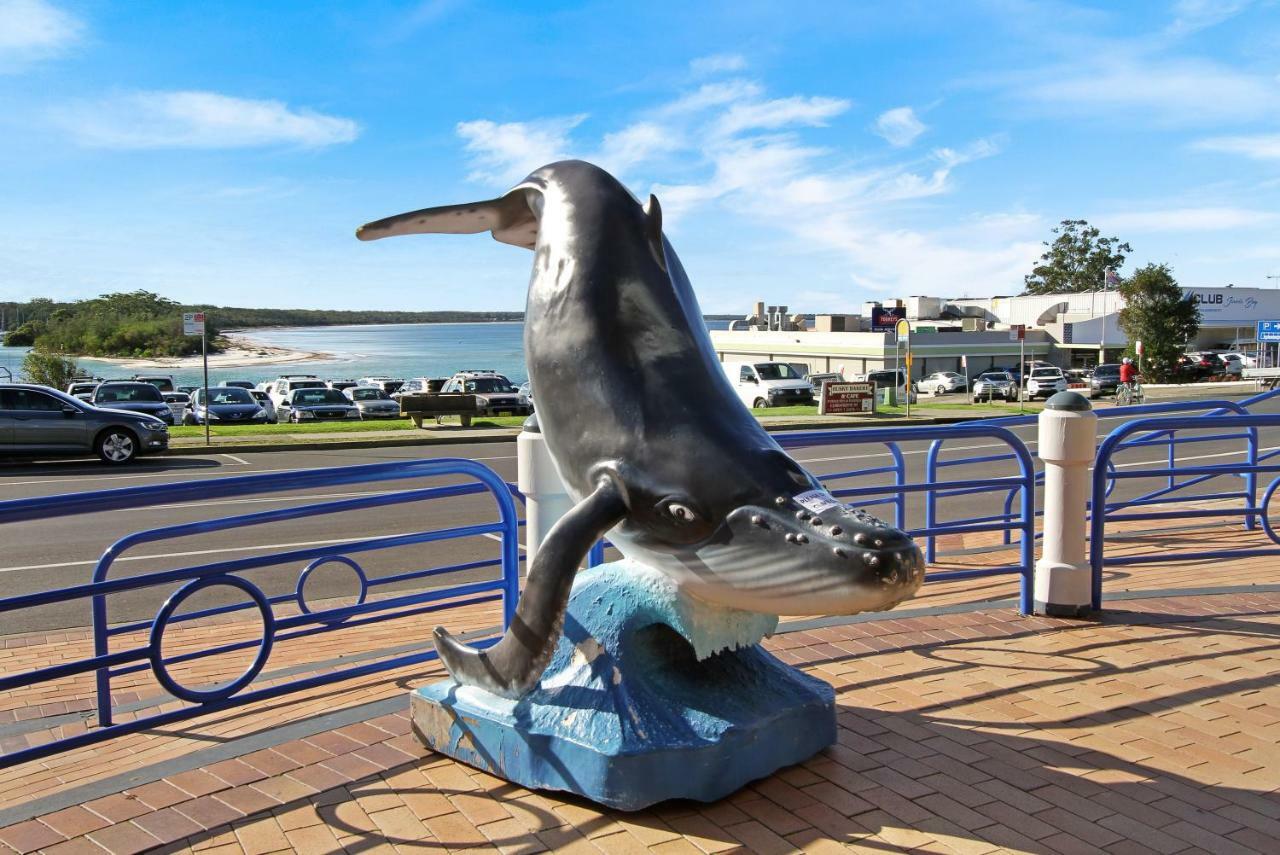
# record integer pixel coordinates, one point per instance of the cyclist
(1128, 391)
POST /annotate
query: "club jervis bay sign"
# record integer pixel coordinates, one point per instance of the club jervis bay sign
(1233, 305)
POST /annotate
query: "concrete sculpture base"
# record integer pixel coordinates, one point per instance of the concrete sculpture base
(652, 695)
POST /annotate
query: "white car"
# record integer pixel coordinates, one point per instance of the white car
(1044, 382)
(178, 402)
(264, 401)
(941, 382)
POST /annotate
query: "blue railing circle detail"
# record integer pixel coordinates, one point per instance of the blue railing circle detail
(1262, 511)
(332, 559)
(202, 696)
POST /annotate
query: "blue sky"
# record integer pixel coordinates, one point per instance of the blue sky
(814, 154)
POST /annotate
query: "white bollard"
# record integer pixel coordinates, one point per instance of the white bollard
(1067, 428)
(546, 499)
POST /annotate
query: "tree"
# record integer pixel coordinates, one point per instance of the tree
(1076, 261)
(49, 369)
(1156, 314)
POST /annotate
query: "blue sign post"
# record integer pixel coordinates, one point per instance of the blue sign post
(1268, 331)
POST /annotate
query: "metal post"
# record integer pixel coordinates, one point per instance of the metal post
(1067, 427)
(204, 355)
(546, 497)
(1022, 372)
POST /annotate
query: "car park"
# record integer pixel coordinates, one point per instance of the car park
(995, 384)
(1104, 379)
(282, 388)
(136, 396)
(495, 394)
(1044, 382)
(225, 405)
(264, 401)
(37, 421)
(941, 382)
(768, 384)
(312, 404)
(373, 403)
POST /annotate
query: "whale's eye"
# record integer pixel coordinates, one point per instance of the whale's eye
(681, 513)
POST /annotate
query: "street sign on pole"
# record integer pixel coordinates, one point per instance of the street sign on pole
(193, 323)
(1268, 331)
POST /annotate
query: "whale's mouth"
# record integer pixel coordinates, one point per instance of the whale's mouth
(788, 558)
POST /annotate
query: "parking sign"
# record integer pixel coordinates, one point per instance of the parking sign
(193, 323)
(1268, 331)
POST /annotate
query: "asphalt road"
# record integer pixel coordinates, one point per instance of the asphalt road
(41, 555)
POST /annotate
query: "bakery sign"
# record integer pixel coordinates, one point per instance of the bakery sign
(837, 398)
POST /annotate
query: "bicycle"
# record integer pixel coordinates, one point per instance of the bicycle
(1129, 394)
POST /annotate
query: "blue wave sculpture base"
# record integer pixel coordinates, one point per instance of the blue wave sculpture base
(652, 695)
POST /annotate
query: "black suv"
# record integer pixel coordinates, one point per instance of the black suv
(36, 421)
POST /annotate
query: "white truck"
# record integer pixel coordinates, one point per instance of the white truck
(768, 384)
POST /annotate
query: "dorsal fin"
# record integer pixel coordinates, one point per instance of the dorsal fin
(509, 218)
(653, 230)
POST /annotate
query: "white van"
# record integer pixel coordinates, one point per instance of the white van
(768, 384)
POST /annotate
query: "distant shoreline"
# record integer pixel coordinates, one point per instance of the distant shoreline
(244, 352)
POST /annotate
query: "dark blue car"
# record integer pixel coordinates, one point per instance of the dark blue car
(226, 405)
(134, 397)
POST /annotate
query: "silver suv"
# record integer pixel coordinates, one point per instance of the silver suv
(494, 393)
(37, 421)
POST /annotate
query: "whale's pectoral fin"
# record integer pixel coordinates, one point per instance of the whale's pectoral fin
(653, 230)
(514, 665)
(509, 217)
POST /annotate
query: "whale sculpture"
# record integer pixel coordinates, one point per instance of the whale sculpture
(647, 434)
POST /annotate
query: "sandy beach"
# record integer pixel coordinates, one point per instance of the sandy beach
(244, 352)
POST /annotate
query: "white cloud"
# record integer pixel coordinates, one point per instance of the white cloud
(1187, 219)
(1177, 91)
(503, 153)
(145, 120)
(717, 63)
(31, 30)
(900, 126)
(780, 113)
(1256, 146)
(712, 95)
(1195, 15)
(636, 144)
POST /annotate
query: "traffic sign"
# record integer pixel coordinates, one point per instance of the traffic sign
(1137, 347)
(1017, 332)
(1268, 331)
(193, 323)
(903, 329)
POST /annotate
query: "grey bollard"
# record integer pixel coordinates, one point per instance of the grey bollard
(546, 499)
(1067, 428)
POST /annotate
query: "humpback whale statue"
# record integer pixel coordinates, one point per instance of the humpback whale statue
(647, 434)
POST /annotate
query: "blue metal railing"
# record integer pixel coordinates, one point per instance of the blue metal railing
(1167, 439)
(1247, 470)
(106, 663)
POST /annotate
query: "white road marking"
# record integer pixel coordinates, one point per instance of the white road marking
(234, 459)
(493, 536)
(80, 479)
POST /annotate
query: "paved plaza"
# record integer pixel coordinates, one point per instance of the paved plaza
(964, 727)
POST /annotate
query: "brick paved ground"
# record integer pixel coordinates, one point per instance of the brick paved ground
(1154, 729)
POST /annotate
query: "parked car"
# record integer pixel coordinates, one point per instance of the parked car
(1206, 364)
(890, 377)
(1232, 364)
(390, 385)
(179, 403)
(317, 404)
(225, 405)
(941, 382)
(1104, 380)
(136, 396)
(82, 389)
(768, 384)
(264, 401)
(340, 385)
(37, 421)
(187, 389)
(995, 384)
(163, 382)
(282, 388)
(373, 403)
(495, 394)
(1044, 382)
(413, 386)
(236, 384)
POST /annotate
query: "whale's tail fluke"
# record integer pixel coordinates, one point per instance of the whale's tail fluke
(509, 217)
(514, 665)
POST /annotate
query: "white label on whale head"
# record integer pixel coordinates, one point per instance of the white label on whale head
(816, 501)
